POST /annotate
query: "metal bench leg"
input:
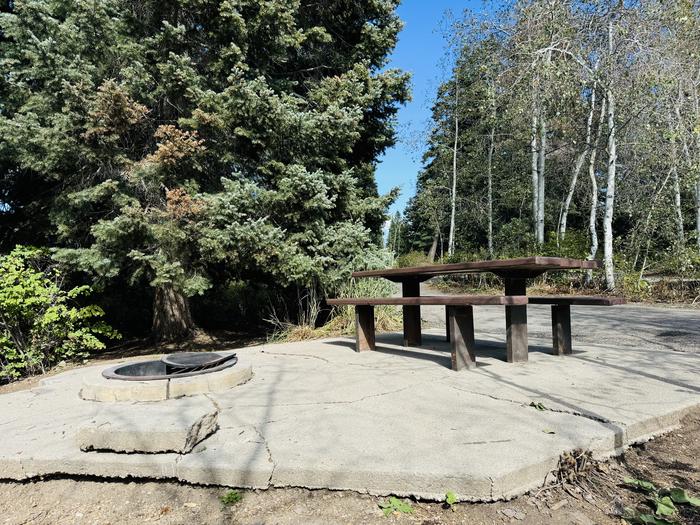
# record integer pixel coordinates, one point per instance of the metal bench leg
(461, 321)
(447, 323)
(364, 327)
(411, 315)
(561, 329)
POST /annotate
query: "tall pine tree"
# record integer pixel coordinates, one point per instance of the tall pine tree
(190, 139)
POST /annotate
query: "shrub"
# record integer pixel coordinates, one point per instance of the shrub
(40, 324)
(412, 259)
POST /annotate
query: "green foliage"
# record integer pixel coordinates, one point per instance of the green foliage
(450, 499)
(510, 97)
(342, 321)
(190, 146)
(679, 495)
(645, 486)
(231, 498)
(40, 321)
(663, 501)
(395, 505)
(413, 258)
(634, 517)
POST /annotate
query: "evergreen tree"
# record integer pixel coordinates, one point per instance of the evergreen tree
(186, 142)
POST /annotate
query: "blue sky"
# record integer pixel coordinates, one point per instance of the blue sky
(420, 51)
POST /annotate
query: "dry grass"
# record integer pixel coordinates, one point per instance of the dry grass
(342, 322)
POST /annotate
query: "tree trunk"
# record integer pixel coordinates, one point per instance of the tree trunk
(489, 189)
(647, 223)
(677, 205)
(540, 180)
(577, 169)
(534, 171)
(451, 240)
(433, 247)
(593, 215)
(610, 190)
(696, 108)
(680, 234)
(172, 320)
(697, 211)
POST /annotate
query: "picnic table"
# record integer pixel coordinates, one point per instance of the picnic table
(513, 272)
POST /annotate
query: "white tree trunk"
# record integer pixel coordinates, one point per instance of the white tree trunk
(593, 215)
(697, 211)
(451, 240)
(677, 205)
(680, 234)
(540, 180)
(577, 169)
(489, 188)
(534, 170)
(647, 222)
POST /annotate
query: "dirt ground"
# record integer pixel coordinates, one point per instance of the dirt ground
(597, 496)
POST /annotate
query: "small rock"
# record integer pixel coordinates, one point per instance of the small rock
(191, 505)
(617, 508)
(514, 514)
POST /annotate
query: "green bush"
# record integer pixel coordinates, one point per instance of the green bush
(576, 245)
(412, 259)
(515, 239)
(39, 323)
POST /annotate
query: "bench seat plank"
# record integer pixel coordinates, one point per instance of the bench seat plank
(456, 300)
(581, 300)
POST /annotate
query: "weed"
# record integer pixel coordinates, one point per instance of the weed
(450, 500)
(231, 498)
(395, 505)
(663, 501)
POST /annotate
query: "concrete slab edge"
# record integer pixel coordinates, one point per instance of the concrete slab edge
(166, 467)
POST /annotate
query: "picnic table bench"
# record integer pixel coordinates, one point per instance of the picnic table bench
(459, 316)
(460, 319)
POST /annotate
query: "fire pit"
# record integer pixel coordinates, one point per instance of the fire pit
(175, 375)
(181, 364)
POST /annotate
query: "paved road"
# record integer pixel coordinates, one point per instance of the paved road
(633, 325)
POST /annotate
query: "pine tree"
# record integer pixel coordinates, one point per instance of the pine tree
(182, 137)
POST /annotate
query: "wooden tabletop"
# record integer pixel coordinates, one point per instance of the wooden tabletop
(441, 300)
(523, 267)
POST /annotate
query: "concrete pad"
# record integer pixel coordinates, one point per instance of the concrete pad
(235, 457)
(395, 420)
(169, 426)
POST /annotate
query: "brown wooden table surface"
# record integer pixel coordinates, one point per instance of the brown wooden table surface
(523, 267)
(514, 273)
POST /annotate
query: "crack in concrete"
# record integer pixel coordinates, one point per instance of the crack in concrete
(347, 402)
(545, 408)
(269, 454)
(305, 356)
(213, 402)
